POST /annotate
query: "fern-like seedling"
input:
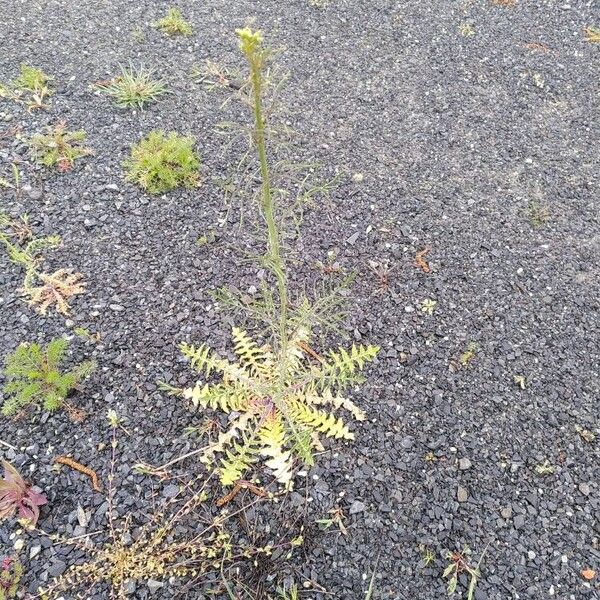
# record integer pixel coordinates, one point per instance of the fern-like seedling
(58, 147)
(161, 162)
(26, 255)
(55, 289)
(283, 403)
(33, 376)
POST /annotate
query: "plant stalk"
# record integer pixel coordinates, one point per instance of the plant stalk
(275, 261)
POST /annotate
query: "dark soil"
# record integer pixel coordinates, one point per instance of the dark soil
(443, 140)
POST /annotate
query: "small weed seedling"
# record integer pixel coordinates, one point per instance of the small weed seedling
(14, 234)
(11, 571)
(521, 381)
(382, 271)
(539, 214)
(59, 148)
(33, 376)
(459, 564)
(428, 306)
(16, 180)
(291, 594)
(133, 88)
(160, 163)
(214, 75)
(585, 434)
(30, 87)
(592, 34)
(466, 29)
(17, 497)
(331, 266)
(468, 355)
(427, 555)
(138, 35)
(87, 335)
(336, 518)
(174, 23)
(42, 289)
(545, 468)
(207, 239)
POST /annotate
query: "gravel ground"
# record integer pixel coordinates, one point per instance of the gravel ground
(444, 141)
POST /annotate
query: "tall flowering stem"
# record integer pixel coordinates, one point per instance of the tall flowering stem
(251, 44)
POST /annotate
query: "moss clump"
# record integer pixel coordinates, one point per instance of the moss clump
(161, 162)
(32, 79)
(174, 23)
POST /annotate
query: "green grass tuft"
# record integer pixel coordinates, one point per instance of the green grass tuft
(133, 88)
(161, 162)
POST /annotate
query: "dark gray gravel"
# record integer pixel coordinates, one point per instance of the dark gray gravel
(443, 140)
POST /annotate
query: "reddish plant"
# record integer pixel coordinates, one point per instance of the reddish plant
(18, 497)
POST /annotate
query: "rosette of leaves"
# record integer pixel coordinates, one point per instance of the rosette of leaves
(283, 403)
(17, 497)
(33, 375)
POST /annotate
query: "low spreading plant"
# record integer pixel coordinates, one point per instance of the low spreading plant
(133, 88)
(59, 147)
(174, 23)
(54, 289)
(181, 538)
(160, 162)
(11, 572)
(33, 376)
(281, 396)
(31, 87)
(17, 230)
(17, 497)
(41, 289)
